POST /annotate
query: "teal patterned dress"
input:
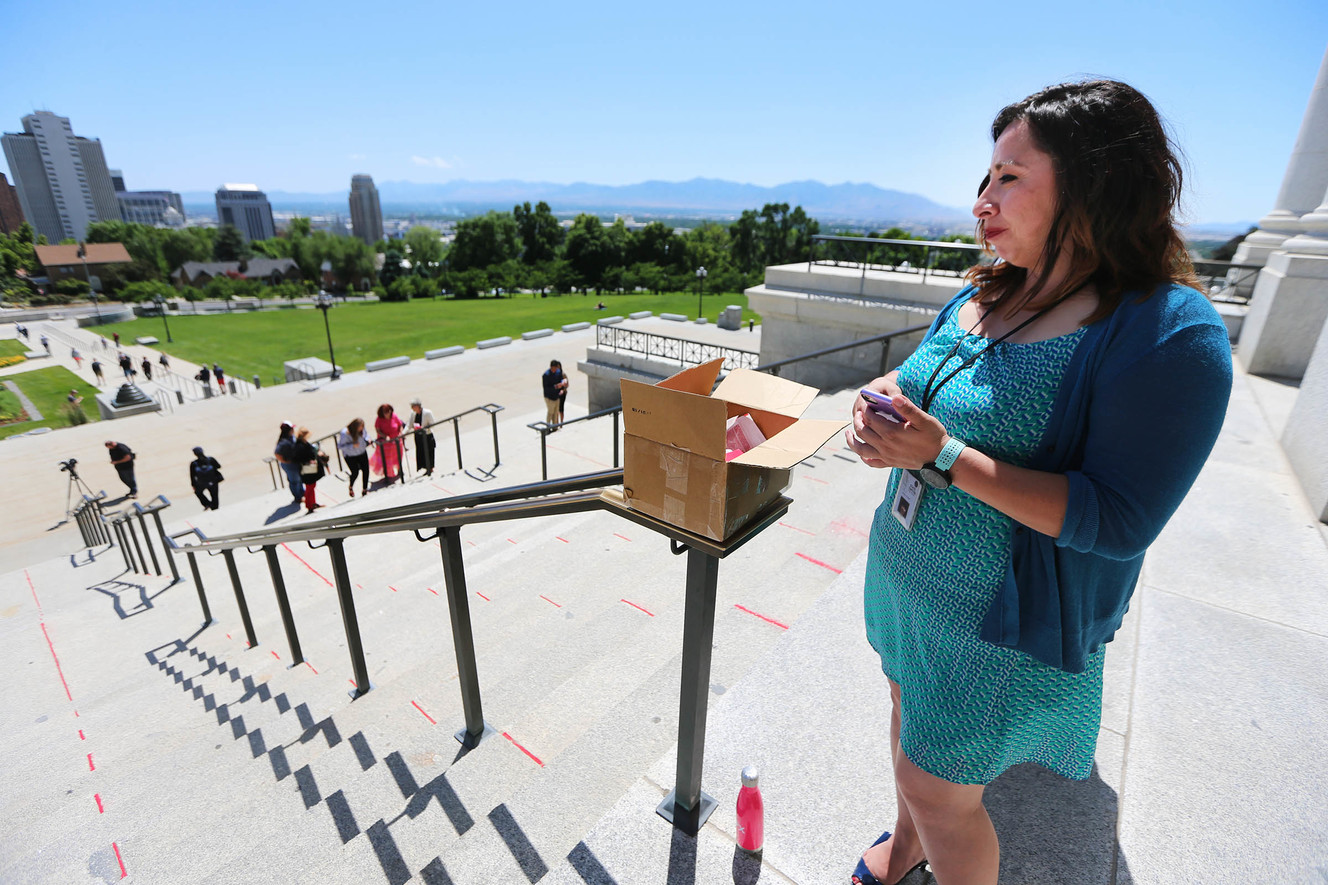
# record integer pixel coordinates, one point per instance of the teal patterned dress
(972, 709)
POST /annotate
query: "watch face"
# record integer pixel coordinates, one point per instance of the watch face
(935, 477)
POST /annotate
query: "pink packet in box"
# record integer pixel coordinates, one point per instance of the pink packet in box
(741, 435)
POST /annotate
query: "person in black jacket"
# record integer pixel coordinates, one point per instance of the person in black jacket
(204, 476)
(312, 464)
(123, 459)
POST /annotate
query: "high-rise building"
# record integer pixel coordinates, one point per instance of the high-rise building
(153, 208)
(246, 208)
(11, 212)
(62, 180)
(366, 215)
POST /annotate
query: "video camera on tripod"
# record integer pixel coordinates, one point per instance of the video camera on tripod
(70, 467)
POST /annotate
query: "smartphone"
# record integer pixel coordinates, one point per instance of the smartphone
(880, 404)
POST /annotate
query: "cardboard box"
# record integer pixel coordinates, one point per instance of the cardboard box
(673, 461)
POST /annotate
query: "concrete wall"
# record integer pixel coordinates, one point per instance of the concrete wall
(1305, 439)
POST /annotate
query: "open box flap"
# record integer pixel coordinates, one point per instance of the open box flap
(792, 445)
(693, 422)
(698, 379)
(761, 391)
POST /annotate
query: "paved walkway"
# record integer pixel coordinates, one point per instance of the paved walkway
(1211, 762)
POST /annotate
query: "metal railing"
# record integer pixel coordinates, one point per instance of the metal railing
(1227, 282)
(680, 350)
(924, 257)
(687, 806)
(91, 521)
(127, 536)
(544, 428)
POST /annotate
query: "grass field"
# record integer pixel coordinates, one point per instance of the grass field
(47, 388)
(247, 344)
(13, 347)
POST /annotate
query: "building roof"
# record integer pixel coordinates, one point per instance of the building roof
(257, 267)
(97, 253)
(239, 187)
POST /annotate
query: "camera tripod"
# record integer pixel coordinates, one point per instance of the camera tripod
(76, 482)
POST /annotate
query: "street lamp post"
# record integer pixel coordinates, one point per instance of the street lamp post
(161, 307)
(87, 278)
(324, 303)
(700, 290)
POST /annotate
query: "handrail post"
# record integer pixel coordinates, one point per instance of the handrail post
(166, 546)
(123, 543)
(198, 585)
(456, 436)
(147, 539)
(615, 437)
(239, 597)
(283, 603)
(463, 638)
(401, 461)
(493, 422)
(544, 452)
(336, 547)
(686, 806)
(885, 356)
(129, 524)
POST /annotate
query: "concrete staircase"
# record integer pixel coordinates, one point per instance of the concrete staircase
(212, 761)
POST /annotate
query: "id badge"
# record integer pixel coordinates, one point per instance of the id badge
(908, 495)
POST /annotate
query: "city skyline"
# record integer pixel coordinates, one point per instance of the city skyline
(750, 93)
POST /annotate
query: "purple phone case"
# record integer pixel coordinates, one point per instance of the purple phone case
(880, 408)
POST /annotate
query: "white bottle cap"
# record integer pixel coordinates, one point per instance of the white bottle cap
(749, 776)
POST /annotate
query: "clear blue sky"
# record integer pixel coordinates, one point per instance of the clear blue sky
(298, 96)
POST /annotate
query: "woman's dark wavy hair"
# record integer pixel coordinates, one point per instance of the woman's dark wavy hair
(1118, 182)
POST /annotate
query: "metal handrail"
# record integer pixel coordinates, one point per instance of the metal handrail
(492, 409)
(928, 264)
(1227, 282)
(684, 350)
(544, 428)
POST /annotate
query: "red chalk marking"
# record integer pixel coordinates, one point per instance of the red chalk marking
(634, 605)
(422, 713)
(51, 646)
(311, 667)
(549, 601)
(274, 654)
(228, 636)
(393, 589)
(576, 455)
(305, 564)
(564, 540)
(482, 596)
(795, 528)
(34, 592)
(80, 735)
(352, 683)
(761, 616)
(431, 590)
(91, 767)
(360, 586)
(510, 541)
(188, 523)
(814, 479)
(75, 714)
(523, 749)
(838, 571)
(843, 525)
(97, 796)
(624, 537)
(471, 543)
(123, 872)
(439, 488)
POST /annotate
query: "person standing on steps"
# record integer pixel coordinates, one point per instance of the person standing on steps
(220, 376)
(554, 383)
(353, 443)
(205, 476)
(312, 464)
(123, 459)
(96, 372)
(147, 369)
(285, 455)
(388, 448)
(76, 357)
(425, 444)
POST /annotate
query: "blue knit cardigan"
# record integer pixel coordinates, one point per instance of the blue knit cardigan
(1137, 413)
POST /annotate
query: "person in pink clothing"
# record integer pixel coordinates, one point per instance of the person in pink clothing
(389, 428)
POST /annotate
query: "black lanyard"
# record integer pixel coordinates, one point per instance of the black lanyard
(929, 395)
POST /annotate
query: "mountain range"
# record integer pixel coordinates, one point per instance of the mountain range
(700, 196)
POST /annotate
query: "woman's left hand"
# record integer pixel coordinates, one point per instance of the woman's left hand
(881, 442)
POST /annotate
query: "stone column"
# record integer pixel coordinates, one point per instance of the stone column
(1303, 184)
(1305, 439)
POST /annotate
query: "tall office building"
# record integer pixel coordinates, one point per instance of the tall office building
(366, 216)
(246, 208)
(11, 213)
(153, 208)
(62, 180)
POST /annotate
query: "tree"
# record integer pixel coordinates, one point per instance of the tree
(189, 244)
(744, 244)
(589, 250)
(540, 232)
(480, 242)
(229, 245)
(392, 268)
(352, 262)
(426, 249)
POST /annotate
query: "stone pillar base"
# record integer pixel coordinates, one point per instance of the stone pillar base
(1287, 312)
(1305, 439)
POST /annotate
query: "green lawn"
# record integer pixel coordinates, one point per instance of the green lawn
(9, 405)
(246, 344)
(13, 347)
(47, 388)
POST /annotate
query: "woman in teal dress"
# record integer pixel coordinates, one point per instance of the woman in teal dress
(1050, 423)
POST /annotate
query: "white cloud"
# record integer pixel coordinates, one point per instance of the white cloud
(356, 157)
(437, 162)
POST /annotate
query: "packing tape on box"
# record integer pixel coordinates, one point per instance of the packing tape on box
(673, 464)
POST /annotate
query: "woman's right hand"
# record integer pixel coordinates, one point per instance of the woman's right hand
(887, 384)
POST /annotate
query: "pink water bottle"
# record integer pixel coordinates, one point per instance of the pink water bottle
(751, 812)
